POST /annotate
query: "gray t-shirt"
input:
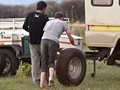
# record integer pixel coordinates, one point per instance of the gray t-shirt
(53, 29)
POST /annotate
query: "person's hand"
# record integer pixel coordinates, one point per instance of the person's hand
(60, 49)
(75, 44)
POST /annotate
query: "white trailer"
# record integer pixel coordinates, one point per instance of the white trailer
(14, 43)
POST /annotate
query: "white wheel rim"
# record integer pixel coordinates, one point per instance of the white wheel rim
(75, 68)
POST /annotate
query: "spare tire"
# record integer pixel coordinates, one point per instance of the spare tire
(71, 67)
(2, 61)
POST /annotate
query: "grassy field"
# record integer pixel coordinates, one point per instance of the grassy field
(107, 77)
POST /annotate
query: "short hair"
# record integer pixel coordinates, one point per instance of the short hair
(59, 15)
(41, 5)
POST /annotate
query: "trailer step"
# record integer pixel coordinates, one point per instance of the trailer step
(100, 55)
(91, 55)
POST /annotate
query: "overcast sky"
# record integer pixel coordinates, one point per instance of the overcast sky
(23, 2)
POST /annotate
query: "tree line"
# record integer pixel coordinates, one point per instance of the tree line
(73, 9)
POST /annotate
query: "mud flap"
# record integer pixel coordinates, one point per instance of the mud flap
(2, 61)
(113, 56)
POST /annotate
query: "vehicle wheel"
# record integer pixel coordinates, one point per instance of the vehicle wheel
(11, 63)
(2, 61)
(71, 67)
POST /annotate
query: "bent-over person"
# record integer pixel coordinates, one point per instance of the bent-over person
(50, 44)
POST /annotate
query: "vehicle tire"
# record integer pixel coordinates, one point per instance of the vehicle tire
(11, 63)
(71, 67)
(2, 61)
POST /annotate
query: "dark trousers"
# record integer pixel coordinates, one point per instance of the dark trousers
(48, 54)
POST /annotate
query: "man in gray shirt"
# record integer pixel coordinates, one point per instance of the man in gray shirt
(50, 44)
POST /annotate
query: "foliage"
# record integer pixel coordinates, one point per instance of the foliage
(73, 9)
(78, 30)
(23, 71)
(77, 22)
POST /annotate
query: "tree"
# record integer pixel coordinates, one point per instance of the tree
(73, 9)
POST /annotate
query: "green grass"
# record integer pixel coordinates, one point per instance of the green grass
(107, 78)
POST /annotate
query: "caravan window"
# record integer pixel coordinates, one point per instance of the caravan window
(102, 2)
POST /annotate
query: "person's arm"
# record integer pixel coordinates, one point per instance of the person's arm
(25, 25)
(65, 27)
(71, 38)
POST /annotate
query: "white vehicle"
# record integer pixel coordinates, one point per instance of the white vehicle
(103, 31)
(102, 18)
(14, 43)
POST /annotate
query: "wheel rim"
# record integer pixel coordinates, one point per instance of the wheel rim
(75, 67)
(7, 67)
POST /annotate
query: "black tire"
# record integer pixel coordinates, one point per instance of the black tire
(11, 63)
(2, 61)
(66, 74)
